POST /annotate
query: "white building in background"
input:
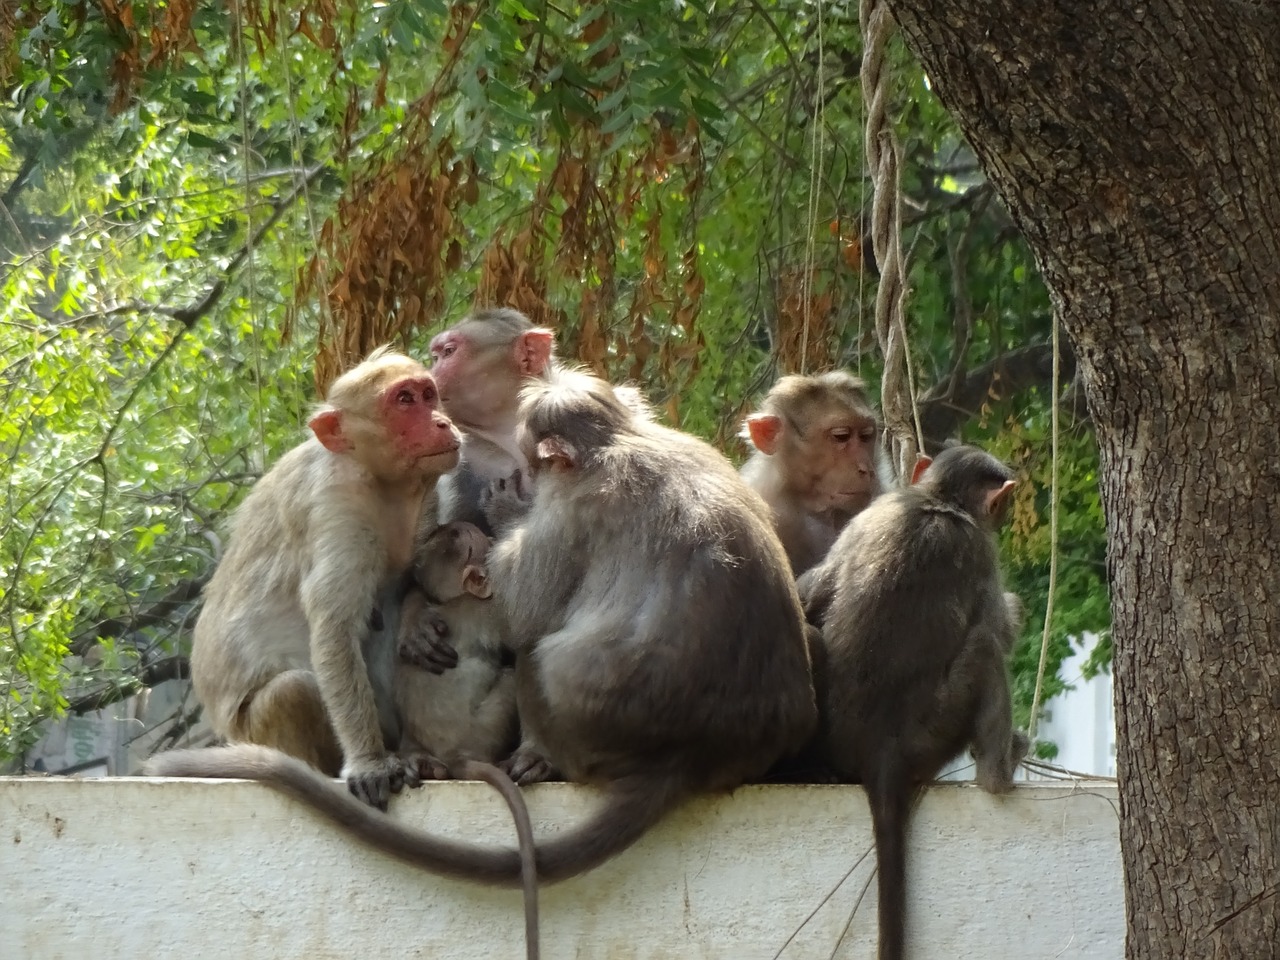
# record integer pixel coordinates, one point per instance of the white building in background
(1082, 721)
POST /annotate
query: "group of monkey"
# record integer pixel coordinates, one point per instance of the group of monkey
(644, 617)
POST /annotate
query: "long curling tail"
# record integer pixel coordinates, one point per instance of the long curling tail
(496, 778)
(484, 864)
(631, 806)
(890, 800)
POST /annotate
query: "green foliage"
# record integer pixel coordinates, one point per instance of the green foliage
(164, 195)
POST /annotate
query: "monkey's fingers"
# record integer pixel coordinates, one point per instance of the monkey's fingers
(434, 655)
(375, 785)
(527, 766)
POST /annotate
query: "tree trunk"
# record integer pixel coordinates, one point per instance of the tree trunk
(1138, 147)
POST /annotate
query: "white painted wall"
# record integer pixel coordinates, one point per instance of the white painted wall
(179, 870)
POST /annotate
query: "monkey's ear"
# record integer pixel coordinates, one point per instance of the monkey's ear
(476, 582)
(922, 464)
(998, 499)
(763, 430)
(327, 426)
(556, 451)
(533, 351)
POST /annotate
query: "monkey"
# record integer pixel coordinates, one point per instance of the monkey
(480, 364)
(915, 625)
(468, 713)
(660, 642)
(278, 655)
(815, 460)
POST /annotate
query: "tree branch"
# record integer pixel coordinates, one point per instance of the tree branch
(950, 403)
(169, 668)
(155, 613)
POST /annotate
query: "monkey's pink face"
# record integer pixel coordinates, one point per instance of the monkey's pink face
(476, 385)
(843, 468)
(417, 429)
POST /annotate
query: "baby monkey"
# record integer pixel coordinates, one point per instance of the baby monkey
(469, 712)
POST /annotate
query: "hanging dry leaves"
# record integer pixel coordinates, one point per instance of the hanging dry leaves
(805, 318)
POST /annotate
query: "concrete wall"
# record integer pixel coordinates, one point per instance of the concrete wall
(177, 870)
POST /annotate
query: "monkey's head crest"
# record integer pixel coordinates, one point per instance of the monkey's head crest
(570, 416)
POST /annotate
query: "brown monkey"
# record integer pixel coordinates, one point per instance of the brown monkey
(468, 713)
(916, 627)
(662, 642)
(277, 657)
(816, 459)
(481, 363)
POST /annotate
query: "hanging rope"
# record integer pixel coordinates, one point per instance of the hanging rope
(904, 436)
(815, 190)
(1053, 542)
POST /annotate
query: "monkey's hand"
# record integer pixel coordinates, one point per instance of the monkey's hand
(527, 765)
(505, 501)
(423, 642)
(374, 780)
(420, 766)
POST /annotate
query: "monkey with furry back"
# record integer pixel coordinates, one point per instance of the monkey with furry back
(915, 627)
(655, 659)
(468, 712)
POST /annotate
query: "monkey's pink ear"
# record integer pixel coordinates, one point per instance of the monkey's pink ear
(327, 426)
(533, 351)
(476, 582)
(555, 451)
(998, 499)
(922, 464)
(764, 429)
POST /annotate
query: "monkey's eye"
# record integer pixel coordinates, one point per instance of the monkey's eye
(445, 350)
(869, 435)
(841, 434)
(429, 394)
(405, 396)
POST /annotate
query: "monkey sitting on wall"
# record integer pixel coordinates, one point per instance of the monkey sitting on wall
(915, 628)
(280, 646)
(656, 660)
(816, 462)
(468, 712)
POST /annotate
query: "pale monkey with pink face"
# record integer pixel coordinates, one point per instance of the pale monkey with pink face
(816, 462)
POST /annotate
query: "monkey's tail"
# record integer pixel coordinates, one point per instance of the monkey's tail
(484, 864)
(889, 796)
(496, 778)
(631, 806)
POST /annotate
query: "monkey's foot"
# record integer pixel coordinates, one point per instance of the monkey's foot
(420, 766)
(505, 501)
(527, 766)
(373, 781)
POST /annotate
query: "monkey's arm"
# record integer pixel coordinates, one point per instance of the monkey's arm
(817, 587)
(337, 594)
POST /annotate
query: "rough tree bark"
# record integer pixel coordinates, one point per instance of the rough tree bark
(1138, 147)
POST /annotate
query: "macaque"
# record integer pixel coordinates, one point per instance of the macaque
(816, 459)
(469, 712)
(916, 627)
(279, 648)
(660, 643)
(481, 364)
